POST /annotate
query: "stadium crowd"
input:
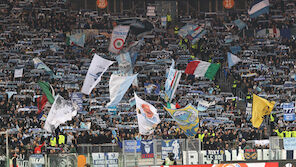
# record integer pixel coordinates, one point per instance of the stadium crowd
(40, 29)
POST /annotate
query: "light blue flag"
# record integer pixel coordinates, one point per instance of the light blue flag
(40, 65)
(184, 31)
(124, 63)
(78, 39)
(199, 36)
(240, 24)
(232, 59)
(118, 85)
(172, 82)
(235, 49)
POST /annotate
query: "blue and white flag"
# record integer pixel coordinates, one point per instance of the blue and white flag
(232, 59)
(40, 65)
(240, 24)
(118, 85)
(197, 33)
(170, 146)
(124, 63)
(204, 105)
(131, 146)
(152, 88)
(77, 39)
(172, 82)
(258, 8)
(184, 31)
(96, 69)
(289, 111)
(147, 149)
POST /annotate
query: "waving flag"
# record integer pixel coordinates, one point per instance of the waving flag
(184, 31)
(258, 8)
(119, 34)
(40, 65)
(232, 59)
(147, 115)
(172, 82)
(196, 34)
(202, 69)
(240, 24)
(118, 85)
(60, 112)
(96, 69)
(260, 108)
(77, 39)
(41, 102)
(47, 90)
(187, 118)
(124, 63)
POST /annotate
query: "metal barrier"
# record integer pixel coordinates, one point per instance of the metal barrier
(137, 153)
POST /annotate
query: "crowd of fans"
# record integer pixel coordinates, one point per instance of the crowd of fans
(30, 29)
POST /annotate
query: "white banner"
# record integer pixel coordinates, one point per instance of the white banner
(96, 69)
(18, 73)
(119, 34)
(118, 85)
(60, 112)
(147, 115)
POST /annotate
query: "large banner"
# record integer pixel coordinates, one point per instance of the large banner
(250, 154)
(62, 160)
(289, 111)
(77, 98)
(37, 160)
(147, 149)
(170, 146)
(290, 143)
(96, 69)
(105, 159)
(131, 145)
(119, 34)
(215, 156)
(187, 118)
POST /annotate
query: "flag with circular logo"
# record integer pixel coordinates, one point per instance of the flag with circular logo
(102, 4)
(228, 4)
(118, 38)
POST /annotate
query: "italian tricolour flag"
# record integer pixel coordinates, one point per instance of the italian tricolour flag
(202, 69)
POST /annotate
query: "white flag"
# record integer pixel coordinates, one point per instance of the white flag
(119, 34)
(60, 112)
(147, 115)
(18, 73)
(96, 69)
(118, 85)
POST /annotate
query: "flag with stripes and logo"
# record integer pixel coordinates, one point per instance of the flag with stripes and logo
(172, 82)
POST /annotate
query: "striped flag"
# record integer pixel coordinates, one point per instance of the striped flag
(172, 82)
(258, 8)
(202, 69)
(196, 34)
